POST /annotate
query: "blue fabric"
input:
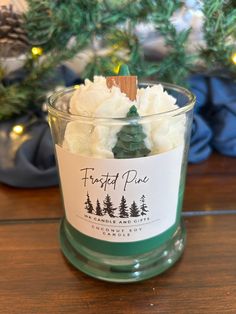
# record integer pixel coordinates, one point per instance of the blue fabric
(222, 117)
(28, 161)
(214, 121)
(200, 148)
(201, 137)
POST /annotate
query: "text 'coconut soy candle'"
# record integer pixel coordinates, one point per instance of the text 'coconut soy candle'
(121, 151)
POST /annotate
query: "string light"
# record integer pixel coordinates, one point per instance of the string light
(234, 58)
(37, 51)
(116, 69)
(18, 129)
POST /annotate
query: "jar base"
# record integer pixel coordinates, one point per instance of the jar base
(124, 269)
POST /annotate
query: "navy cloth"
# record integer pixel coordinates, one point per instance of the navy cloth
(28, 160)
(214, 120)
(200, 148)
(222, 117)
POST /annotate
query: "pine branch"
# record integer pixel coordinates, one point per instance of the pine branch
(177, 64)
(219, 26)
(38, 23)
(55, 24)
(14, 101)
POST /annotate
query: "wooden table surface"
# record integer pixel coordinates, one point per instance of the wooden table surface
(36, 278)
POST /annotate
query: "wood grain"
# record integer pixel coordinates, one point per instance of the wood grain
(127, 84)
(35, 278)
(29, 203)
(217, 164)
(210, 192)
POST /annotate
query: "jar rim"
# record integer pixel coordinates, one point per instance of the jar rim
(173, 112)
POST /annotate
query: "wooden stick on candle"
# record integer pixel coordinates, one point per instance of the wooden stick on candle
(126, 82)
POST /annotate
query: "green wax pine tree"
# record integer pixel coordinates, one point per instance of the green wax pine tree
(130, 139)
(124, 70)
(134, 212)
(123, 208)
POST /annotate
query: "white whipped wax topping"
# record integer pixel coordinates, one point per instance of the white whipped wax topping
(95, 99)
(153, 99)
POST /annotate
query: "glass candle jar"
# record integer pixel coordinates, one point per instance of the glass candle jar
(122, 212)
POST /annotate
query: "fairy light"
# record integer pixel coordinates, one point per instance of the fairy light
(18, 129)
(234, 58)
(37, 51)
(117, 68)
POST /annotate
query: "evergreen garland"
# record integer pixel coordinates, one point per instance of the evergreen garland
(219, 29)
(176, 65)
(38, 22)
(64, 28)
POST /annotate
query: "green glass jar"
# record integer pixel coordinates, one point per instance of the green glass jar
(122, 216)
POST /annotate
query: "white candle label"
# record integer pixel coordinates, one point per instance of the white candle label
(120, 200)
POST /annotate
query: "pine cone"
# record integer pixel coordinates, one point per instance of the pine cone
(13, 39)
